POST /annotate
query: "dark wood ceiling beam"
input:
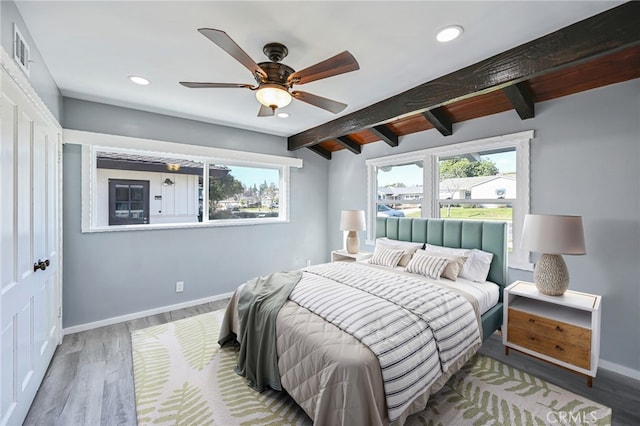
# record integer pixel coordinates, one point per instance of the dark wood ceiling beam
(607, 32)
(385, 134)
(520, 97)
(438, 118)
(348, 143)
(320, 151)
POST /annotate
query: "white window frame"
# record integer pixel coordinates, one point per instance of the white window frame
(95, 142)
(518, 258)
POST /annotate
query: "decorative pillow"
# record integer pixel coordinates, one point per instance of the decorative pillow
(453, 268)
(429, 266)
(386, 257)
(476, 268)
(408, 247)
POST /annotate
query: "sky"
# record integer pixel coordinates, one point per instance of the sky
(411, 175)
(252, 175)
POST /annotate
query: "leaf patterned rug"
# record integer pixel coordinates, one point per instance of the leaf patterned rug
(182, 377)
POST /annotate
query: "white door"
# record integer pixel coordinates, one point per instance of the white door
(30, 283)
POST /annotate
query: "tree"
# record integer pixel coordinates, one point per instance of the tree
(396, 185)
(462, 167)
(223, 187)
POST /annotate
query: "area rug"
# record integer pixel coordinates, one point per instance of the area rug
(182, 377)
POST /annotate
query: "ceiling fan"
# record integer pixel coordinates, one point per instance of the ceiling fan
(274, 79)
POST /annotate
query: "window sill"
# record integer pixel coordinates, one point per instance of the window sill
(159, 226)
(521, 266)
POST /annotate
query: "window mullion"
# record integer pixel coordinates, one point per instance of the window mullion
(430, 207)
(205, 191)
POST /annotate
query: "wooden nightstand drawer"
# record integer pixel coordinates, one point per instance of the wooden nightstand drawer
(540, 342)
(556, 331)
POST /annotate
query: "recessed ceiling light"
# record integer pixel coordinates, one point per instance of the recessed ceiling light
(449, 33)
(139, 80)
(283, 115)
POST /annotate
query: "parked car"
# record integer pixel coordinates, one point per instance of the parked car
(384, 210)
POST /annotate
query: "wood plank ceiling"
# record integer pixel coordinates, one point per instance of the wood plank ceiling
(595, 52)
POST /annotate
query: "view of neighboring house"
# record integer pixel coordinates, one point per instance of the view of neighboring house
(466, 188)
(478, 187)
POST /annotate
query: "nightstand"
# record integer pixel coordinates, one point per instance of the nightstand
(563, 330)
(344, 256)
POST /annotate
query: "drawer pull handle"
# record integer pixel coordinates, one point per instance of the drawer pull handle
(558, 328)
(532, 320)
(558, 348)
(532, 338)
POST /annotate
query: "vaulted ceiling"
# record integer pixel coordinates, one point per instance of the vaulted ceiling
(595, 52)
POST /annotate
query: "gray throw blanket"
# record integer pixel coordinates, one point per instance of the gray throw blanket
(258, 305)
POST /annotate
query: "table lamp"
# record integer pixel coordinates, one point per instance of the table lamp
(552, 236)
(352, 221)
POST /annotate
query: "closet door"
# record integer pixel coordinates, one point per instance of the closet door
(30, 284)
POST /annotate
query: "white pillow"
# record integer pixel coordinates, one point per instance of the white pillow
(476, 268)
(409, 248)
(429, 266)
(454, 266)
(386, 257)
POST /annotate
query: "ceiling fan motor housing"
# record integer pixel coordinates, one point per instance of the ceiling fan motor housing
(276, 73)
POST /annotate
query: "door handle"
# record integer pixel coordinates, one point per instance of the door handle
(41, 264)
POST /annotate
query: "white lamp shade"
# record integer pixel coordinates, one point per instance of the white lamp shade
(352, 220)
(553, 234)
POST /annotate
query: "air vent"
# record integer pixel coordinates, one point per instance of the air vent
(21, 51)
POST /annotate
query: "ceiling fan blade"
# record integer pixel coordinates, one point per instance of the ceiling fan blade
(265, 111)
(315, 100)
(339, 64)
(195, 85)
(227, 44)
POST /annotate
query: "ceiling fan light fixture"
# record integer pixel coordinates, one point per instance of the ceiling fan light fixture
(449, 33)
(273, 96)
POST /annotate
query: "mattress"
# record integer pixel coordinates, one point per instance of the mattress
(486, 293)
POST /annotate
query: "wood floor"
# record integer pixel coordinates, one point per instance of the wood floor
(90, 379)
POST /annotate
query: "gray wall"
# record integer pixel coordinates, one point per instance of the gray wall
(118, 273)
(585, 160)
(40, 77)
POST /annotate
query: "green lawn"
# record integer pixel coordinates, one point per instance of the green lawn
(471, 213)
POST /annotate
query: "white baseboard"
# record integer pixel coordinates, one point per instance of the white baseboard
(136, 315)
(620, 369)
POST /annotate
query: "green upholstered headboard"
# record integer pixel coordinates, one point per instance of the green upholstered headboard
(488, 236)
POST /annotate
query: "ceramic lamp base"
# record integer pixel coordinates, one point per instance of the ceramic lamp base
(551, 275)
(353, 244)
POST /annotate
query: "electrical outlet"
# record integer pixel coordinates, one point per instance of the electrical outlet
(179, 286)
(308, 262)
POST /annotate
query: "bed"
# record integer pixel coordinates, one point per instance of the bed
(334, 376)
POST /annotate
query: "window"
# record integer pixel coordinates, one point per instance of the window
(399, 190)
(486, 179)
(478, 185)
(130, 183)
(240, 192)
(128, 201)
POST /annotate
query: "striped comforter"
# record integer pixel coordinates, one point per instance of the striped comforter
(416, 329)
